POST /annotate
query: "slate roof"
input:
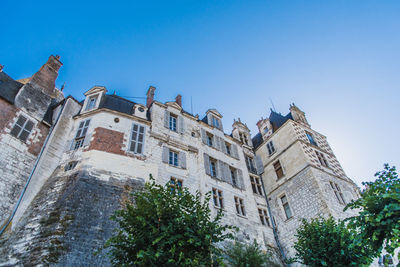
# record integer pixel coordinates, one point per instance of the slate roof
(9, 88)
(117, 103)
(277, 120)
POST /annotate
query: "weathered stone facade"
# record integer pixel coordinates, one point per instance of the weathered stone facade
(81, 159)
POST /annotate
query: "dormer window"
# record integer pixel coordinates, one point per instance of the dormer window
(91, 104)
(215, 122)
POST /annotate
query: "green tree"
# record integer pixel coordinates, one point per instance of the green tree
(324, 242)
(244, 255)
(379, 219)
(167, 227)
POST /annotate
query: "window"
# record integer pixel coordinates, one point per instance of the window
(250, 164)
(228, 148)
(172, 122)
(239, 206)
(322, 159)
(210, 139)
(175, 184)
(22, 128)
(278, 169)
(243, 138)
(137, 139)
(263, 217)
(338, 193)
(91, 103)
(270, 147)
(256, 185)
(213, 167)
(311, 138)
(81, 133)
(215, 122)
(173, 158)
(266, 130)
(70, 165)
(286, 207)
(217, 198)
(234, 177)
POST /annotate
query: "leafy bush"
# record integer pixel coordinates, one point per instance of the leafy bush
(243, 255)
(323, 242)
(379, 220)
(167, 227)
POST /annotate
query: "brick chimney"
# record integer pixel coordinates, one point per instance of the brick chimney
(150, 96)
(46, 77)
(178, 100)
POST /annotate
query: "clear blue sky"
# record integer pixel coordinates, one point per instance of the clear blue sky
(339, 61)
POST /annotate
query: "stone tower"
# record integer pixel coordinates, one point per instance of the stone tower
(302, 177)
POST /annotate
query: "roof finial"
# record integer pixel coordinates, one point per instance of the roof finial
(62, 87)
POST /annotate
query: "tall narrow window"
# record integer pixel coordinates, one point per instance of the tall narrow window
(338, 193)
(218, 198)
(263, 217)
(278, 169)
(256, 185)
(213, 167)
(172, 122)
(137, 139)
(233, 176)
(175, 184)
(81, 133)
(286, 207)
(91, 103)
(228, 148)
(311, 138)
(22, 128)
(210, 139)
(240, 206)
(173, 158)
(250, 164)
(322, 159)
(271, 148)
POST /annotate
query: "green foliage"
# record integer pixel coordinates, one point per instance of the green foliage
(167, 227)
(323, 242)
(241, 255)
(379, 219)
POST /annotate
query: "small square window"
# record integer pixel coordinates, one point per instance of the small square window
(91, 104)
(286, 207)
(263, 217)
(22, 128)
(271, 148)
(256, 185)
(175, 184)
(228, 148)
(311, 138)
(322, 159)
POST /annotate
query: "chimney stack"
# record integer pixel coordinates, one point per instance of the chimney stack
(46, 77)
(178, 100)
(150, 96)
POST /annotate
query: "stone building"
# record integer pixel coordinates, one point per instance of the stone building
(67, 165)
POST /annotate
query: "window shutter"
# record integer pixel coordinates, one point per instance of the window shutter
(220, 170)
(207, 164)
(259, 165)
(165, 154)
(220, 125)
(240, 179)
(182, 160)
(166, 118)
(227, 174)
(86, 142)
(235, 152)
(215, 142)
(181, 126)
(69, 145)
(203, 136)
(222, 145)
